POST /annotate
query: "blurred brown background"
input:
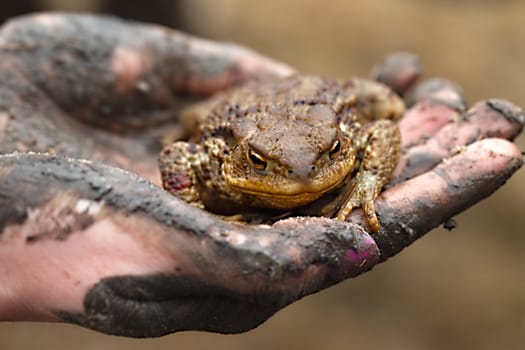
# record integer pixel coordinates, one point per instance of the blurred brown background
(463, 289)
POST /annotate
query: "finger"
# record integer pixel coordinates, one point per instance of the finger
(123, 75)
(439, 90)
(491, 118)
(412, 208)
(398, 70)
(114, 253)
(436, 102)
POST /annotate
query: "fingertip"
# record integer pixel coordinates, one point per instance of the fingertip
(398, 70)
(493, 147)
(507, 116)
(253, 64)
(441, 91)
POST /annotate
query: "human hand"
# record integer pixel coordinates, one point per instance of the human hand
(91, 244)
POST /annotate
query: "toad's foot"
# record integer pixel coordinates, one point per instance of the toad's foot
(363, 194)
(382, 143)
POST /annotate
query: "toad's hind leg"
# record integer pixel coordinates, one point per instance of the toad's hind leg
(381, 152)
(376, 101)
(177, 173)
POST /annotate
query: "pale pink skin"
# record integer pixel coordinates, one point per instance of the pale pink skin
(29, 291)
(34, 279)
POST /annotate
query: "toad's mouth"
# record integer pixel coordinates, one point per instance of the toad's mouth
(288, 194)
(288, 190)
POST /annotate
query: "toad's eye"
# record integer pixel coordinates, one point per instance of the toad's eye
(334, 150)
(257, 160)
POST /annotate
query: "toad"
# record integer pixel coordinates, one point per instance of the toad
(288, 145)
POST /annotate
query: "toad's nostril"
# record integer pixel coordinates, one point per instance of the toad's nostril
(304, 173)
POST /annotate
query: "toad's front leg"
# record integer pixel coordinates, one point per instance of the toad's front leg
(176, 163)
(382, 144)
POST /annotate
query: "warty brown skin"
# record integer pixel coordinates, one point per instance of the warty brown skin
(283, 143)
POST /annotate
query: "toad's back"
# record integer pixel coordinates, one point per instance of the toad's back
(257, 105)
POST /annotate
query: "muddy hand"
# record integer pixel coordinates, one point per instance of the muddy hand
(91, 244)
(101, 88)
(98, 246)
